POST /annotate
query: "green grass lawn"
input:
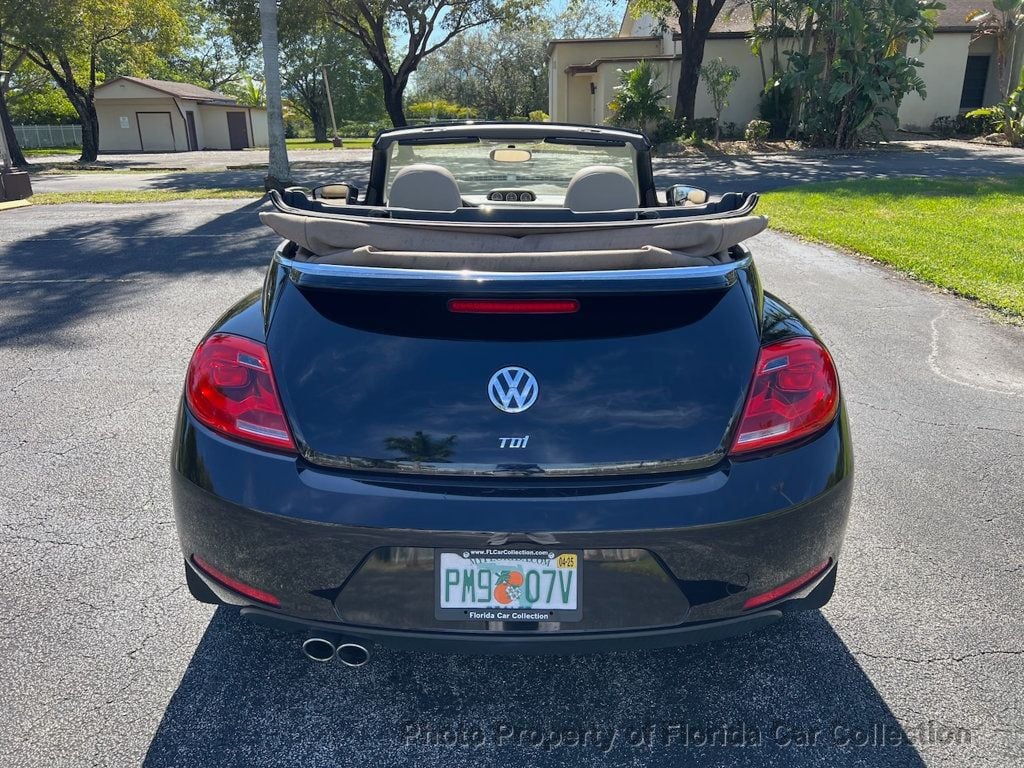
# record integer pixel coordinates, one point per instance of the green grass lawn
(965, 235)
(358, 142)
(143, 196)
(45, 151)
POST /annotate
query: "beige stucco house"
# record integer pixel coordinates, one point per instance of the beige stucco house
(141, 115)
(959, 67)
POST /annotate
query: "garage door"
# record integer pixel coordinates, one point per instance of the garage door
(155, 131)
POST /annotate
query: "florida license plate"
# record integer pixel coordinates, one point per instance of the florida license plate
(508, 585)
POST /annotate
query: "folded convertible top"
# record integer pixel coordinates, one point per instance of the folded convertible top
(420, 245)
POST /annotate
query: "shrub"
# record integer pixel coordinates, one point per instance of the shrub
(978, 125)
(669, 129)
(776, 107)
(704, 127)
(438, 109)
(1007, 116)
(945, 126)
(638, 98)
(731, 131)
(757, 131)
(539, 116)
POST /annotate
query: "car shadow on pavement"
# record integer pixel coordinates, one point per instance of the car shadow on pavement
(54, 280)
(790, 695)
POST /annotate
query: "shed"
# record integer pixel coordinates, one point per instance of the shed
(142, 115)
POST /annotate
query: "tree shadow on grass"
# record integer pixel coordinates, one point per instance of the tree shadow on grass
(54, 279)
(249, 698)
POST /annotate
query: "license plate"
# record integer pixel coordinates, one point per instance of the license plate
(508, 585)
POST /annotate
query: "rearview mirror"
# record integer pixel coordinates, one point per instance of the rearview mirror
(511, 155)
(346, 192)
(682, 194)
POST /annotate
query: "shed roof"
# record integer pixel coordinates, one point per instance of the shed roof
(175, 89)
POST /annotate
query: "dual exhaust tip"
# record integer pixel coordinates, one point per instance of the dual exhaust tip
(324, 649)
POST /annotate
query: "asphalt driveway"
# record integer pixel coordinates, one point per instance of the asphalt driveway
(758, 173)
(105, 660)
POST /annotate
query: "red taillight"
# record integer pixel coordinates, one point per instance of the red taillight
(514, 306)
(238, 586)
(795, 393)
(231, 390)
(788, 588)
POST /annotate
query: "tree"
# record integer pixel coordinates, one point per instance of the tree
(278, 172)
(1005, 24)
(77, 42)
(501, 72)
(638, 98)
(857, 70)
(719, 78)
(355, 86)
(209, 56)
(582, 19)
(419, 28)
(247, 90)
(695, 17)
(10, 61)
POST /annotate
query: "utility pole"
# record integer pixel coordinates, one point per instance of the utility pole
(330, 108)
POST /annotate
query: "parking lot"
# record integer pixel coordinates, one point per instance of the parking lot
(106, 660)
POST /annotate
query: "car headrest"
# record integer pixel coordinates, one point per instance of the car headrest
(601, 188)
(425, 187)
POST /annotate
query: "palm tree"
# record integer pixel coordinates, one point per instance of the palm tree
(278, 172)
(639, 99)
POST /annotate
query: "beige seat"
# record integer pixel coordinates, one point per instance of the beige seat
(601, 188)
(425, 187)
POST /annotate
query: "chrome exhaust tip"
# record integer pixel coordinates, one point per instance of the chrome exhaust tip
(319, 649)
(352, 654)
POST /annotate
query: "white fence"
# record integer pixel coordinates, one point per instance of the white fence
(32, 136)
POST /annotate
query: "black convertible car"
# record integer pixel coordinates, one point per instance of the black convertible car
(510, 399)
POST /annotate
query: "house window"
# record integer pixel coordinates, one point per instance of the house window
(975, 77)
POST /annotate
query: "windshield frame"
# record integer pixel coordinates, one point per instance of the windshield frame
(555, 133)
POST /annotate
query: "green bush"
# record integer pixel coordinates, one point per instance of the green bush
(438, 109)
(704, 127)
(776, 108)
(757, 131)
(945, 126)
(669, 129)
(1007, 116)
(359, 129)
(639, 99)
(539, 116)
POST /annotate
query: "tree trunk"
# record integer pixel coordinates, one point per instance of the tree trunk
(393, 104)
(17, 158)
(319, 120)
(689, 77)
(278, 172)
(90, 130)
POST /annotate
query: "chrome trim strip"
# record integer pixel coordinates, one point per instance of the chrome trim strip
(710, 277)
(393, 467)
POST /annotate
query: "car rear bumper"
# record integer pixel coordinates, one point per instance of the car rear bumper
(678, 557)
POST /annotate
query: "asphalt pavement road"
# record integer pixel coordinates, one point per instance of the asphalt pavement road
(105, 660)
(757, 173)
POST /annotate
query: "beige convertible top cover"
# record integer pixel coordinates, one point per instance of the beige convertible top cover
(362, 243)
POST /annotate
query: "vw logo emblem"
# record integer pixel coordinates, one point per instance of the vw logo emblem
(513, 389)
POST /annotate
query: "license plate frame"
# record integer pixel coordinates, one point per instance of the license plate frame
(533, 559)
